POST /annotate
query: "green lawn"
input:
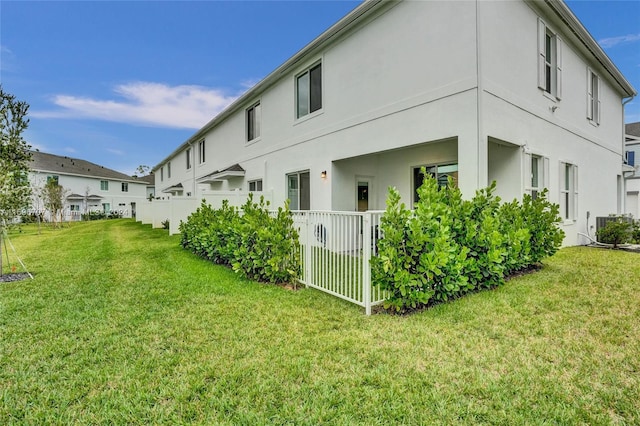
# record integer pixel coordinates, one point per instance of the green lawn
(122, 326)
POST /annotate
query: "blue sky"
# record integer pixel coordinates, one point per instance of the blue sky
(123, 83)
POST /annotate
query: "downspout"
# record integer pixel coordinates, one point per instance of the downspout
(479, 87)
(625, 176)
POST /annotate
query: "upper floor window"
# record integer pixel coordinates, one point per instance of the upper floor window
(104, 185)
(549, 61)
(53, 178)
(254, 118)
(188, 152)
(593, 97)
(125, 187)
(169, 170)
(161, 174)
(309, 91)
(201, 153)
(630, 158)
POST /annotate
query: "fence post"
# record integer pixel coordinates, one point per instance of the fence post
(307, 252)
(366, 266)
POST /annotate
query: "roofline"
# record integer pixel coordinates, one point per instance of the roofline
(558, 6)
(90, 176)
(346, 22)
(567, 16)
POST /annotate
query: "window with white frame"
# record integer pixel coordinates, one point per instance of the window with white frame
(125, 187)
(298, 191)
(593, 97)
(255, 185)
(169, 170)
(161, 174)
(536, 174)
(188, 155)
(568, 191)
(254, 117)
(53, 178)
(549, 60)
(309, 91)
(74, 207)
(104, 185)
(441, 172)
(201, 151)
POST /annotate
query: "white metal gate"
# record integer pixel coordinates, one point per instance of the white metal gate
(336, 248)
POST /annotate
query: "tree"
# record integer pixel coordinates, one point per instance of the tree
(141, 170)
(54, 196)
(15, 191)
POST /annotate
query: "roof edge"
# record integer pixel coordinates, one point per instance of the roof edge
(346, 22)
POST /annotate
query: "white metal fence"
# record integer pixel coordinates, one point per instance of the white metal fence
(336, 248)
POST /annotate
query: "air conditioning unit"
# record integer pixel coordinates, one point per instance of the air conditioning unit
(602, 221)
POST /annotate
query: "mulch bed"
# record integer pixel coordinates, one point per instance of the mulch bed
(13, 277)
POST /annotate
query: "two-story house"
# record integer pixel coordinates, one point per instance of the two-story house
(517, 92)
(632, 161)
(88, 187)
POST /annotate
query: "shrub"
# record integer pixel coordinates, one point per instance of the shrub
(449, 246)
(635, 232)
(255, 243)
(615, 232)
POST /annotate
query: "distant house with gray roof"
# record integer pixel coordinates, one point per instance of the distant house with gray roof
(632, 163)
(89, 187)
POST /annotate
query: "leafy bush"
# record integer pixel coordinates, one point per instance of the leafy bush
(618, 231)
(449, 246)
(255, 243)
(94, 215)
(635, 232)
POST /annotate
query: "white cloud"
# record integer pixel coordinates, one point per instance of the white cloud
(115, 151)
(146, 103)
(614, 41)
(70, 150)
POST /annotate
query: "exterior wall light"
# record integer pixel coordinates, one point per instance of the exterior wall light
(323, 174)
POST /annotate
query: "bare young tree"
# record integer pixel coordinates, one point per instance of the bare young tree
(54, 196)
(15, 191)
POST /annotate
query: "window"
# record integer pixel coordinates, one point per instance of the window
(254, 117)
(549, 61)
(188, 153)
(255, 185)
(74, 207)
(53, 178)
(298, 191)
(309, 91)
(536, 174)
(630, 158)
(169, 170)
(593, 97)
(104, 185)
(442, 173)
(106, 207)
(201, 153)
(568, 191)
(125, 187)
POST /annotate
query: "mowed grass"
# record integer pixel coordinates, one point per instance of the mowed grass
(122, 326)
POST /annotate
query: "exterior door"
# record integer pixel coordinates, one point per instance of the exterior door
(364, 200)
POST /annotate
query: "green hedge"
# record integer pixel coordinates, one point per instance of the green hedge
(449, 246)
(255, 243)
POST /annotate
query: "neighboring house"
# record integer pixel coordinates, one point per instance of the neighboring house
(150, 182)
(517, 92)
(89, 187)
(632, 161)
